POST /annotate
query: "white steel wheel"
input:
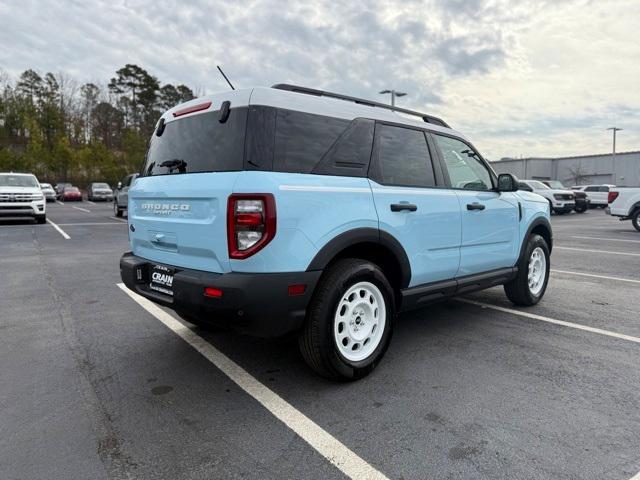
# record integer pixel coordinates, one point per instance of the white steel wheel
(359, 321)
(537, 271)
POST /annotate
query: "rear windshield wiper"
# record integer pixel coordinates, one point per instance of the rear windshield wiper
(175, 164)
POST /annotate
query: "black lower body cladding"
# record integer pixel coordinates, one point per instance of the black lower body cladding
(254, 303)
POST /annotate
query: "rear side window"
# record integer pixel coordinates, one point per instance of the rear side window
(402, 157)
(199, 143)
(289, 141)
(302, 139)
(591, 189)
(603, 189)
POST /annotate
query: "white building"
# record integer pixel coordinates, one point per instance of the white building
(580, 170)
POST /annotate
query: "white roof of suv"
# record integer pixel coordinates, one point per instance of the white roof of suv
(315, 101)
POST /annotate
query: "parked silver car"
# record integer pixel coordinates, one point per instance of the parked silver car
(48, 192)
(99, 191)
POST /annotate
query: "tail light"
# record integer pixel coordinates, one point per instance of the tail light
(251, 223)
(612, 196)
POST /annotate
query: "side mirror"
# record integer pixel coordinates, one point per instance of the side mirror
(119, 186)
(507, 182)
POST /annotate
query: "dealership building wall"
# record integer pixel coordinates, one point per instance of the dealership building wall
(580, 170)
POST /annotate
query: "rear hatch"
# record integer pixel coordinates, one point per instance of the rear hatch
(177, 207)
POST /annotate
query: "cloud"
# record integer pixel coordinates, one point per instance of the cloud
(518, 77)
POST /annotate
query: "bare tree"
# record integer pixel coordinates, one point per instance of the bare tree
(578, 174)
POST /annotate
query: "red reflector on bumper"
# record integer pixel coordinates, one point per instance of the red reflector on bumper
(297, 289)
(212, 292)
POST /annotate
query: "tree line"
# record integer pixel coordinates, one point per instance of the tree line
(60, 130)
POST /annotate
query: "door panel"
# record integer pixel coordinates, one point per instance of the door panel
(430, 234)
(490, 219)
(490, 235)
(425, 219)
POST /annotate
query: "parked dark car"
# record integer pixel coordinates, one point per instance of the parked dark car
(71, 194)
(582, 202)
(99, 191)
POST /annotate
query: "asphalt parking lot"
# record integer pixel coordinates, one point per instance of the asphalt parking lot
(94, 385)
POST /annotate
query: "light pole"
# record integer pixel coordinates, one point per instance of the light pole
(614, 130)
(394, 94)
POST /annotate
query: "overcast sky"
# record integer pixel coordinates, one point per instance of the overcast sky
(517, 77)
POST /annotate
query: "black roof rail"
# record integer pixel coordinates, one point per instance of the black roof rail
(369, 103)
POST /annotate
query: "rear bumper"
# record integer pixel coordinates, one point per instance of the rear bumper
(253, 303)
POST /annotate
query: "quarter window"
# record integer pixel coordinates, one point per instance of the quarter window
(464, 165)
(302, 139)
(403, 157)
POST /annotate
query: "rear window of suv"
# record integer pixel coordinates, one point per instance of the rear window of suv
(199, 143)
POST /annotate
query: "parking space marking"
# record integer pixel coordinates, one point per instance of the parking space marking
(60, 231)
(605, 277)
(89, 201)
(578, 326)
(59, 202)
(607, 239)
(82, 209)
(596, 251)
(119, 219)
(323, 442)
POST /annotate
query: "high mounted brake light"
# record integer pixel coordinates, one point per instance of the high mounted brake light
(191, 109)
(251, 223)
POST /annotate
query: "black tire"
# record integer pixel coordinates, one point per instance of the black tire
(317, 341)
(518, 290)
(580, 209)
(117, 211)
(635, 219)
(40, 219)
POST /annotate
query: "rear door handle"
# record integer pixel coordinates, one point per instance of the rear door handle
(398, 207)
(475, 206)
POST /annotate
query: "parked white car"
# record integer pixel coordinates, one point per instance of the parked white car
(21, 196)
(48, 191)
(624, 202)
(560, 200)
(596, 194)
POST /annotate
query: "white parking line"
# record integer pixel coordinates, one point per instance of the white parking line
(60, 231)
(619, 279)
(89, 201)
(59, 202)
(533, 316)
(82, 209)
(596, 251)
(328, 446)
(119, 219)
(607, 239)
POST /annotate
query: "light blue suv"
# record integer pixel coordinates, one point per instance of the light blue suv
(288, 210)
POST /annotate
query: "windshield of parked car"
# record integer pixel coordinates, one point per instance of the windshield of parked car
(45, 186)
(556, 184)
(9, 180)
(71, 189)
(537, 185)
(100, 185)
